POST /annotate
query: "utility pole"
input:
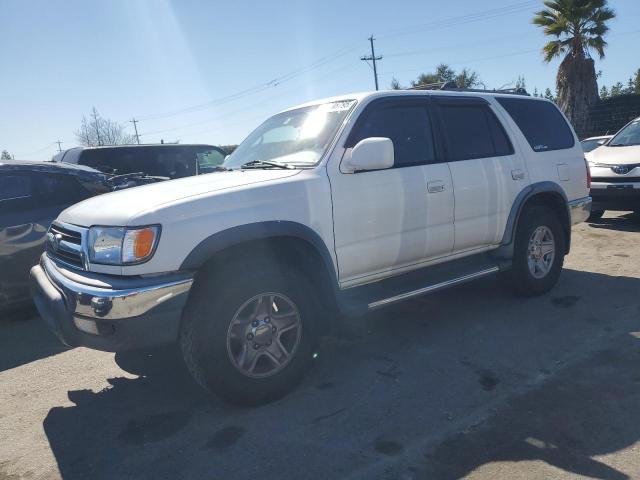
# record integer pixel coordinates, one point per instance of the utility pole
(135, 127)
(59, 147)
(373, 58)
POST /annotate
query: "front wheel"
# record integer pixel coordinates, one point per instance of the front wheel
(249, 332)
(538, 253)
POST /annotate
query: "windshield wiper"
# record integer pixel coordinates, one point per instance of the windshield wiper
(266, 164)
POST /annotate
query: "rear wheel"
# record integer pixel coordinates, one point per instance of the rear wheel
(249, 331)
(538, 252)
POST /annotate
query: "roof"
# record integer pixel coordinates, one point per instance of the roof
(48, 167)
(360, 96)
(142, 145)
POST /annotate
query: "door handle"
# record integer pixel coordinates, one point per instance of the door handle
(517, 174)
(436, 186)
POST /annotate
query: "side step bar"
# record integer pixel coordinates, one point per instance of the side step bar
(432, 288)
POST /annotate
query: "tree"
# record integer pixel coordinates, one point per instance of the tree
(549, 96)
(636, 82)
(521, 83)
(604, 92)
(465, 79)
(5, 155)
(578, 26)
(395, 84)
(617, 89)
(629, 88)
(97, 131)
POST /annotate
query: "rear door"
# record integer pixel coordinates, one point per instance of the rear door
(487, 173)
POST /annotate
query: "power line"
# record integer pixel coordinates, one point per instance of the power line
(255, 89)
(240, 110)
(464, 19)
(372, 58)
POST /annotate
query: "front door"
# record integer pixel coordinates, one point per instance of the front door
(394, 220)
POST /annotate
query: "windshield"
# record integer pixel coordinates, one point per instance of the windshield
(297, 137)
(629, 135)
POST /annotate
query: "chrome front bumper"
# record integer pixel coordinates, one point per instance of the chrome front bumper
(106, 312)
(580, 210)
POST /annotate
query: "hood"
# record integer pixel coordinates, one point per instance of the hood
(119, 208)
(615, 155)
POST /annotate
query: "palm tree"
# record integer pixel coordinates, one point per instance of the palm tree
(579, 27)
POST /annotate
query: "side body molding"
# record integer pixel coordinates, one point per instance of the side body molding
(219, 241)
(505, 250)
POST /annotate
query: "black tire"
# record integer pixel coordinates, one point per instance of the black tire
(519, 278)
(203, 336)
(595, 215)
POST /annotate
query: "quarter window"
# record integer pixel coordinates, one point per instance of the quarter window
(473, 131)
(408, 127)
(541, 123)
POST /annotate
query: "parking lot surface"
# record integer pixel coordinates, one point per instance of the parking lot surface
(470, 382)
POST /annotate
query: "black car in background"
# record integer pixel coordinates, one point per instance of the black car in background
(159, 160)
(31, 197)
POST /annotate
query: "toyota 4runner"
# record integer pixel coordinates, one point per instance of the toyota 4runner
(325, 211)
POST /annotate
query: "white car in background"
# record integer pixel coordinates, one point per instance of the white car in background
(615, 172)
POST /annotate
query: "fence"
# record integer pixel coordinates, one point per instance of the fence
(610, 115)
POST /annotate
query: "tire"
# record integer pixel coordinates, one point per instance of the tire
(213, 349)
(523, 278)
(595, 215)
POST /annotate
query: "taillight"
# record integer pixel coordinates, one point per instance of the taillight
(588, 173)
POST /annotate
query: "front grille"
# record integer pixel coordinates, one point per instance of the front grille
(616, 179)
(65, 245)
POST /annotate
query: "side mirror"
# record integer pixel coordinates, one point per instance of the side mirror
(374, 153)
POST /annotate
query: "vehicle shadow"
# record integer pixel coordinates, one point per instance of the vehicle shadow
(629, 222)
(24, 337)
(411, 374)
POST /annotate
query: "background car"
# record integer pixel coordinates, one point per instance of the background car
(592, 143)
(31, 196)
(161, 160)
(615, 172)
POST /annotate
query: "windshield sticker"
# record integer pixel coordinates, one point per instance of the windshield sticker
(336, 106)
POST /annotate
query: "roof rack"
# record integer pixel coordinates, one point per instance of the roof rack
(453, 87)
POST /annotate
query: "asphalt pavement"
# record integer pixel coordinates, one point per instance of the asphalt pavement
(469, 382)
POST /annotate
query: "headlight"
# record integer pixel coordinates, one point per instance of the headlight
(122, 245)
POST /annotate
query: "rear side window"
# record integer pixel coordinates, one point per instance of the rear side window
(14, 186)
(408, 127)
(541, 123)
(473, 131)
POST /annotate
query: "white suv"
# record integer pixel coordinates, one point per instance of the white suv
(335, 207)
(615, 170)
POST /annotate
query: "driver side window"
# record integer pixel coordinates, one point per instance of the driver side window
(409, 128)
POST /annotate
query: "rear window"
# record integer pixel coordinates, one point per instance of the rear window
(473, 131)
(541, 123)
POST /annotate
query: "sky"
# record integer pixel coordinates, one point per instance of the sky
(198, 71)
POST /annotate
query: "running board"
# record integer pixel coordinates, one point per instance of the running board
(432, 288)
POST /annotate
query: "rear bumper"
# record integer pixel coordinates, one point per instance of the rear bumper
(616, 196)
(106, 313)
(579, 210)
